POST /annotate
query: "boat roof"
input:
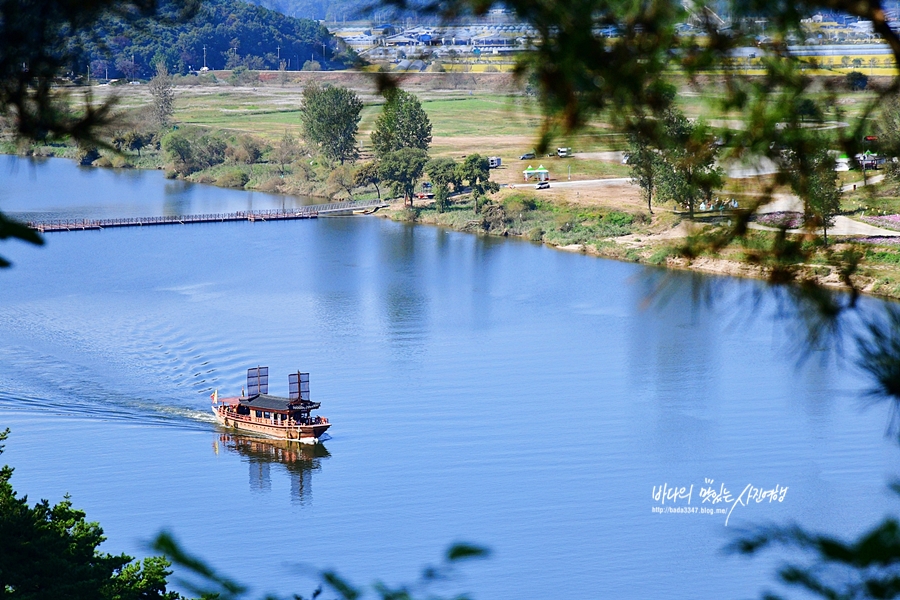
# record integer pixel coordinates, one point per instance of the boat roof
(267, 402)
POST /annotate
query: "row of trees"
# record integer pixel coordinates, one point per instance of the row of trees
(677, 161)
(400, 140)
(683, 169)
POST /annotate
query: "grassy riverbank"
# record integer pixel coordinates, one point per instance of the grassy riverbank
(489, 115)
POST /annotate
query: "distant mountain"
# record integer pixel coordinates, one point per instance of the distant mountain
(233, 33)
(338, 10)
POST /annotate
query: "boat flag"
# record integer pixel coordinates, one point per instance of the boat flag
(215, 397)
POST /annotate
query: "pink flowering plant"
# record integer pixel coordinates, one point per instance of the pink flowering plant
(885, 221)
(787, 219)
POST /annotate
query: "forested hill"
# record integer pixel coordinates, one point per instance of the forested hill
(329, 10)
(235, 34)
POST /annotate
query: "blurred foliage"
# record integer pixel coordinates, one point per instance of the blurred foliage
(51, 552)
(207, 583)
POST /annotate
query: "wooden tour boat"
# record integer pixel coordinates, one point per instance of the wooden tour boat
(272, 416)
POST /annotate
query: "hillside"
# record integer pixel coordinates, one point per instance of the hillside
(234, 34)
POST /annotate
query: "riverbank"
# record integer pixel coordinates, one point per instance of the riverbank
(619, 230)
(591, 206)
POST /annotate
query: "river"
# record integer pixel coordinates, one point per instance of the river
(480, 389)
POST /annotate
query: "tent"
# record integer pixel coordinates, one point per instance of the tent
(540, 173)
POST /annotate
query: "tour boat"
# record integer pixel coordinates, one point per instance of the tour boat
(272, 416)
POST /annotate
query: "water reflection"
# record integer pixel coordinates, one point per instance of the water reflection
(300, 460)
(177, 197)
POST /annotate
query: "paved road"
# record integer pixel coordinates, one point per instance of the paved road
(780, 203)
(842, 225)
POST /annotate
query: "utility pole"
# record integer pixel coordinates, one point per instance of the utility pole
(132, 66)
(279, 54)
(204, 56)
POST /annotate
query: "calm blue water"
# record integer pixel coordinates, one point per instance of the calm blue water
(485, 390)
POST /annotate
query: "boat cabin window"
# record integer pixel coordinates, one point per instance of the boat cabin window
(267, 415)
(243, 410)
(258, 414)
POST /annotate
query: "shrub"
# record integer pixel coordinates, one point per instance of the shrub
(271, 185)
(86, 156)
(536, 234)
(857, 81)
(204, 178)
(245, 150)
(408, 214)
(102, 162)
(618, 218)
(243, 76)
(120, 162)
(233, 179)
(564, 222)
(660, 256)
(518, 203)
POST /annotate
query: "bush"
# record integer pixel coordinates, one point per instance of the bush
(243, 76)
(233, 179)
(518, 203)
(203, 178)
(617, 218)
(271, 185)
(536, 234)
(564, 222)
(246, 150)
(660, 256)
(189, 153)
(86, 156)
(102, 162)
(120, 162)
(408, 215)
(857, 81)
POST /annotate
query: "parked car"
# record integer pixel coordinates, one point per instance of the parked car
(542, 185)
(527, 156)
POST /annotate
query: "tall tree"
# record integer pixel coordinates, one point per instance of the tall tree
(163, 92)
(367, 174)
(402, 123)
(814, 180)
(285, 151)
(402, 169)
(688, 171)
(443, 173)
(476, 171)
(341, 179)
(645, 163)
(330, 118)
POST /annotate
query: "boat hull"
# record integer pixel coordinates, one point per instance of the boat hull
(304, 434)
